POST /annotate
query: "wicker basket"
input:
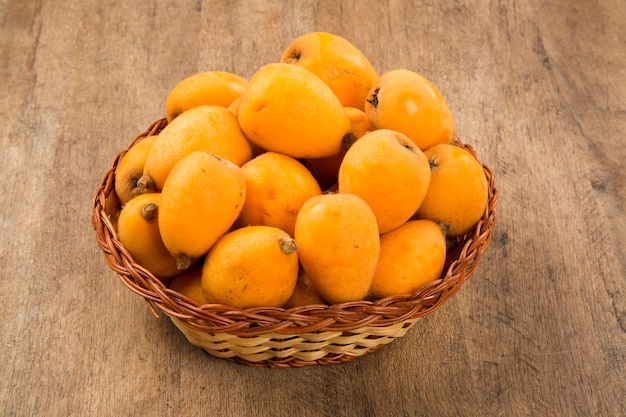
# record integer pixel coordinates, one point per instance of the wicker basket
(301, 336)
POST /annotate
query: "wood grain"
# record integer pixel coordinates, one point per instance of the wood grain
(536, 87)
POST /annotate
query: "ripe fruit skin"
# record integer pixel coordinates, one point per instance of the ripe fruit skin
(130, 169)
(410, 256)
(138, 231)
(337, 62)
(189, 284)
(211, 129)
(338, 243)
(360, 124)
(200, 201)
(389, 172)
(253, 266)
(407, 102)
(458, 191)
(212, 87)
(304, 293)
(276, 187)
(234, 106)
(288, 109)
(325, 170)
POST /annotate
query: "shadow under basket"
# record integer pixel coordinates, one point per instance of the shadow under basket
(300, 336)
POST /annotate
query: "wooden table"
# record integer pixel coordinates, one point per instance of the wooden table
(537, 87)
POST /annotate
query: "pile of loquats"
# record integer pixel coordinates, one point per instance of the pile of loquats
(316, 181)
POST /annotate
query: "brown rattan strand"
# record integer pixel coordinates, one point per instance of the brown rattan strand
(255, 322)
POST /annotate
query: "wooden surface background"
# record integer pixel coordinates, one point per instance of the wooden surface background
(537, 87)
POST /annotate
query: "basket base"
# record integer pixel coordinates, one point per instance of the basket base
(283, 350)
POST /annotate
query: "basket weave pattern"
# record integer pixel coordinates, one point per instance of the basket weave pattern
(300, 336)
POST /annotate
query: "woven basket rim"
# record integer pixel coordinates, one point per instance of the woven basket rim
(250, 322)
